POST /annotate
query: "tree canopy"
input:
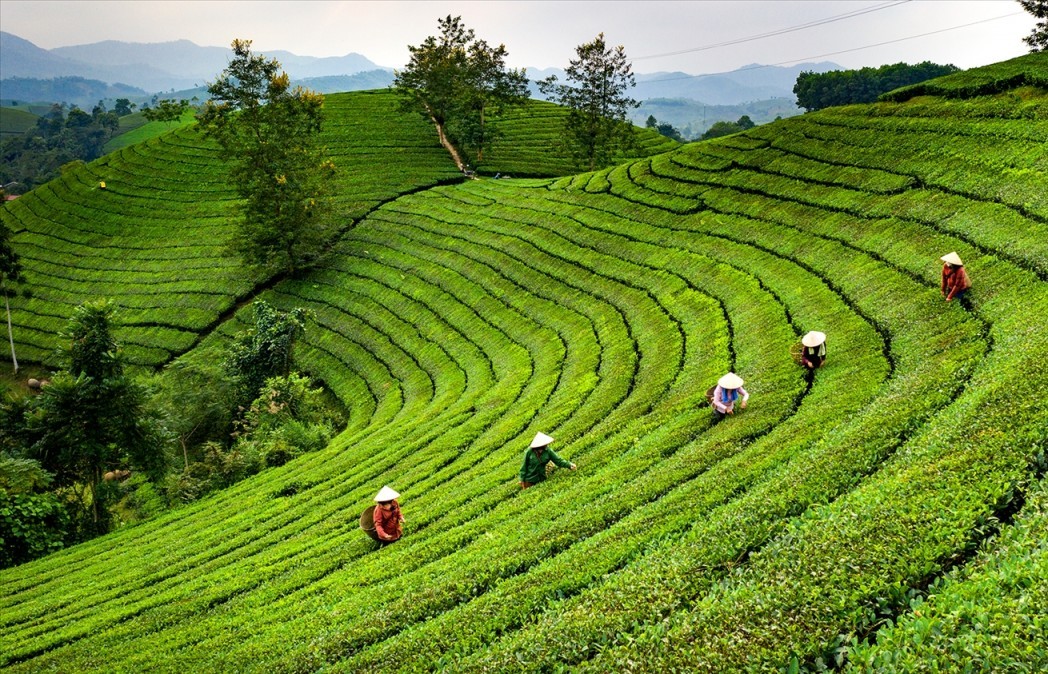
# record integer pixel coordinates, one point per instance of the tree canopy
(664, 128)
(60, 136)
(816, 91)
(92, 417)
(264, 351)
(1038, 37)
(727, 128)
(269, 132)
(460, 82)
(596, 127)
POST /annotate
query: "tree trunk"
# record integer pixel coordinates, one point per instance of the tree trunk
(10, 333)
(447, 143)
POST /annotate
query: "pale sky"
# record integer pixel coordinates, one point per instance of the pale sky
(658, 35)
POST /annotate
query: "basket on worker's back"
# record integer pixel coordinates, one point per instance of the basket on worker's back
(795, 352)
(367, 522)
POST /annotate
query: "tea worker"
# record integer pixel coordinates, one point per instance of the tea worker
(727, 392)
(535, 459)
(954, 279)
(813, 353)
(388, 517)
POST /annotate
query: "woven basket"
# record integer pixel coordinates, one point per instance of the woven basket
(367, 522)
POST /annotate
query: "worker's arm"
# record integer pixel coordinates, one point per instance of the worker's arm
(557, 461)
(718, 393)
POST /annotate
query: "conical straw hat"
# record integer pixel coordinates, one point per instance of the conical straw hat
(952, 258)
(813, 339)
(386, 494)
(541, 440)
(730, 380)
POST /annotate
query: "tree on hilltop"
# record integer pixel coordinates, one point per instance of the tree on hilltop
(269, 131)
(719, 129)
(596, 126)
(166, 110)
(664, 129)
(816, 91)
(1038, 37)
(460, 82)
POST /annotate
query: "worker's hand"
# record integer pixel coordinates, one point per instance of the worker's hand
(743, 404)
(573, 466)
(949, 299)
(732, 411)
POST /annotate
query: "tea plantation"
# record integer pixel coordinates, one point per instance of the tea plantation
(888, 513)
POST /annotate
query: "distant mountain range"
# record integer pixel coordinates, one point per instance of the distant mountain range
(154, 67)
(85, 74)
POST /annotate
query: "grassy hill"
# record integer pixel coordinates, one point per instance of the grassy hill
(15, 122)
(892, 506)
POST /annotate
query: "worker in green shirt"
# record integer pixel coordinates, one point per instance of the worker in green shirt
(538, 455)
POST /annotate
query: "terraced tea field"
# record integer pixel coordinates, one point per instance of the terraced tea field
(891, 506)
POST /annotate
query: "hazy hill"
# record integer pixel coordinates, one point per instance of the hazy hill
(73, 90)
(153, 66)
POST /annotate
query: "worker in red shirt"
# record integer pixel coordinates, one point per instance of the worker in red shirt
(954, 279)
(388, 517)
(813, 351)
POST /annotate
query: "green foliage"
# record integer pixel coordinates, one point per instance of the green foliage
(59, 137)
(219, 467)
(595, 94)
(123, 107)
(1038, 37)
(269, 133)
(462, 84)
(31, 526)
(1025, 71)
(165, 110)
(665, 129)
(193, 395)
(287, 419)
(816, 91)
(727, 128)
(92, 417)
(264, 351)
(22, 476)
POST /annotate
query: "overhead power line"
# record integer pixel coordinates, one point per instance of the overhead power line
(834, 53)
(781, 31)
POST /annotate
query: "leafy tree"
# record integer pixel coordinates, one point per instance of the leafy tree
(460, 82)
(666, 129)
(10, 273)
(727, 128)
(269, 132)
(816, 91)
(165, 110)
(32, 522)
(264, 351)
(1038, 37)
(288, 418)
(37, 156)
(193, 394)
(92, 417)
(596, 126)
(123, 107)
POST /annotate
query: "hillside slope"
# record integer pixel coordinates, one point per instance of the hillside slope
(457, 321)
